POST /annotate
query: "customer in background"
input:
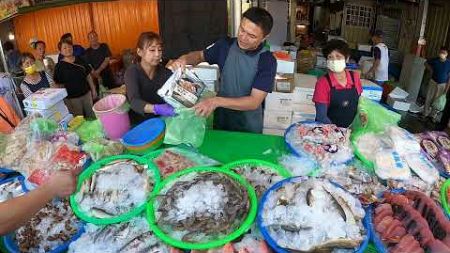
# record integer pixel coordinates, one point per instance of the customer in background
(73, 74)
(43, 63)
(380, 67)
(98, 56)
(337, 93)
(8, 117)
(439, 84)
(143, 79)
(34, 79)
(15, 212)
(78, 50)
(12, 58)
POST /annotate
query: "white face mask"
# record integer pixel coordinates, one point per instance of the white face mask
(336, 66)
(443, 56)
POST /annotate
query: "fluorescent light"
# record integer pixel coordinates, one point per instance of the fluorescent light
(11, 36)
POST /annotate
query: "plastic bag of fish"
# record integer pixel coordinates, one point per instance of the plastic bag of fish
(172, 160)
(411, 222)
(132, 236)
(201, 206)
(260, 177)
(313, 215)
(329, 144)
(51, 227)
(115, 189)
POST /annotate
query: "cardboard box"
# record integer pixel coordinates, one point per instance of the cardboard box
(279, 101)
(273, 131)
(284, 82)
(371, 90)
(300, 116)
(45, 98)
(277, 119)
(287, 67)
(398, 104)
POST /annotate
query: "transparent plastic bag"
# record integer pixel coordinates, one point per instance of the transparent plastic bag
(42, 129)
(185, 128)
(439, 103)
(373, 117)
(101, 148)
(183, 89)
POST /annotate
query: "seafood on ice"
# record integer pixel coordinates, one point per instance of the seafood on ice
(358, 182)
(115, 189)
(313, 215)
(260, 177)
(172, 160)
(11, 189)
(201, 206)
(328, 144)
(132, 236)
(49, 228)
(411, 222)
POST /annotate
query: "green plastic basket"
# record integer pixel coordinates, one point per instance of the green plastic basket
(245, 226)
(125, 216)
(280, 170)
(444, 198)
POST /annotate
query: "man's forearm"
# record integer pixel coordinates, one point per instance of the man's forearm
(103, 66)
(17, 211)
(375, 65)
(192, 58)
(246, 103)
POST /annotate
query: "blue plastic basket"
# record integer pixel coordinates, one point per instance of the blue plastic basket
(11, 245)
(13, 175)
(269, 238)
(296, 152)
(145, 132)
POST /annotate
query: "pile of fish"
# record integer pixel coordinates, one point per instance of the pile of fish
(357, 181)
(115, 189)
(260, 177)
(411, 222)
(11, 189)
(313, 215)
(202, 206)
(170, 162)
(49, 228)
(132, 236)
(328, 144)
(175, 159)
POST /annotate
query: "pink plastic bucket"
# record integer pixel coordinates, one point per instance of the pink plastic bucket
(112, 111)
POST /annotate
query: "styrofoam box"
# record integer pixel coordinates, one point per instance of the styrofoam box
(365, 47)
(287, 67)
(300, 116)
(207, 72)
(273, 131)
(277, 119)
(45, 98)
(59, 108)
(398, 104)
(371, 90)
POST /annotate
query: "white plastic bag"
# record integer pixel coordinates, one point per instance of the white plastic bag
(182, 89)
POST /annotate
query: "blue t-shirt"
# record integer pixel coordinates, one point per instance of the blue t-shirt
(441, 70)
(267, 65)
(78, 51)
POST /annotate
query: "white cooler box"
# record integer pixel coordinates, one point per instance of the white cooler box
(45, 98)
(277, 119)
(273, 131)
(56, 112)
(371, 90)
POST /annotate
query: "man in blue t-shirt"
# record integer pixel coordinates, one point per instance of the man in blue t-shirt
(439, 83)
(78, 50)
(247, 74)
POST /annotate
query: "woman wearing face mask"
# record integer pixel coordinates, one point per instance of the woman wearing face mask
(143, 79)
(337, 93)
(34, 79)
